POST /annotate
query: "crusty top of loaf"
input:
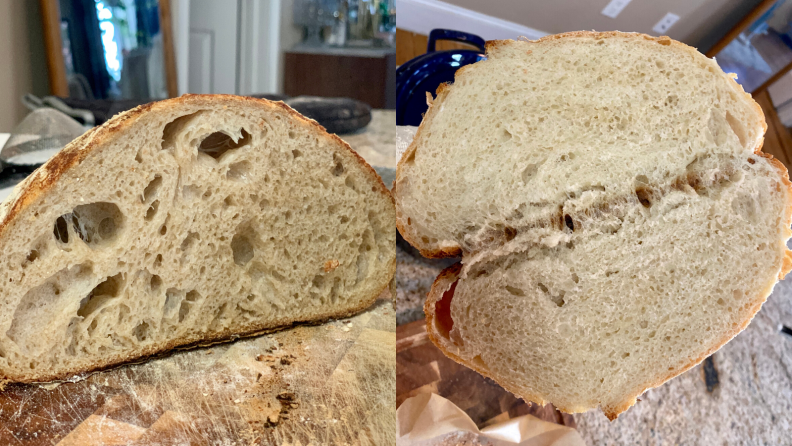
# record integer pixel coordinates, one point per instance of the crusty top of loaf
(503, 49)
(45, 177)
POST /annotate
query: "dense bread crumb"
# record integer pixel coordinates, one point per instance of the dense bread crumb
(187, 220)
(615, 222)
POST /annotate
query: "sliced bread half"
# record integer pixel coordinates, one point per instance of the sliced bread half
(617, 219)
(182, 222)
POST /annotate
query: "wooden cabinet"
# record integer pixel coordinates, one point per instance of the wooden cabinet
(368, 75)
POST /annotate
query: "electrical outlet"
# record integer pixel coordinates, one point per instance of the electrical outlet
(615, 7)
(665, 23)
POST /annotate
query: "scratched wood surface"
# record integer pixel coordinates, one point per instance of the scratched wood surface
(326, 384)
(423, 368)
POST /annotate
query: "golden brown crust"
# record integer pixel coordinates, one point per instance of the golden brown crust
(46, 178)
(786, 265)
(408, 234)
(441, 284)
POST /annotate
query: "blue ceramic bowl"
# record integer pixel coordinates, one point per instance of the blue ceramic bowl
(426, 72)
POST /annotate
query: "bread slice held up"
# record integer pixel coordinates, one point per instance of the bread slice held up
(186, 221)
(616, 218)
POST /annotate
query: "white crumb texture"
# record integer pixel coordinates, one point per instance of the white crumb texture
(615, 223)
(197, 221)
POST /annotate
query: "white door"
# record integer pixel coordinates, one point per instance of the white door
(212, 66)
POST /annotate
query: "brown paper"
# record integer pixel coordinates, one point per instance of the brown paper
(429, 419)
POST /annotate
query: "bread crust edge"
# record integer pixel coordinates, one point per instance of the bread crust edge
(223, 337)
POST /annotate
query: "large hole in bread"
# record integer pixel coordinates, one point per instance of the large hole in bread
(529, 172)
(569, 222)
(151, 212)
(557, 297)
(109, 288)
(173, 301)
(174, 128)
(151, 191)
(190, 299)
(338, 167)
(443, 321)
(644, 196)
(242, 249)
(142, 331)
(218, 143)
(155, 283)
(188, 244)
(61, 229)
(190, 241)
(362, 262)
(58, 295)
(738, 128)
(94, 223)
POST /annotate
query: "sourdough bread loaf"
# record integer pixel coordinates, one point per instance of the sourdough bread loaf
(616, 217)
(183, 222)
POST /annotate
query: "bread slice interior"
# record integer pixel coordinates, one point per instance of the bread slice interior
(616, 217)
(186, 221)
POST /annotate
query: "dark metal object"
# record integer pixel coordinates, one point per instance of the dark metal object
(11, 174)
(710, 374)
(337, 115)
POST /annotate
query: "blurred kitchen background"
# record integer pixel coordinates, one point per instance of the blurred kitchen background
(113, 53)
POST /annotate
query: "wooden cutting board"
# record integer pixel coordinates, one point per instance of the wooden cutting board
(423, 368)
(333, 383)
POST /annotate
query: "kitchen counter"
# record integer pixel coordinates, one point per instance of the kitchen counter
(376, 143)
(374, 52)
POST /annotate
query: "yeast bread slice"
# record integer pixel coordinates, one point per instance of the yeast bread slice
(181, 222)
(616, 217)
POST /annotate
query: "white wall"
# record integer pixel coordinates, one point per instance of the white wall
(228, 46)
(702, 22)
(23, 66)
(259, 47)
